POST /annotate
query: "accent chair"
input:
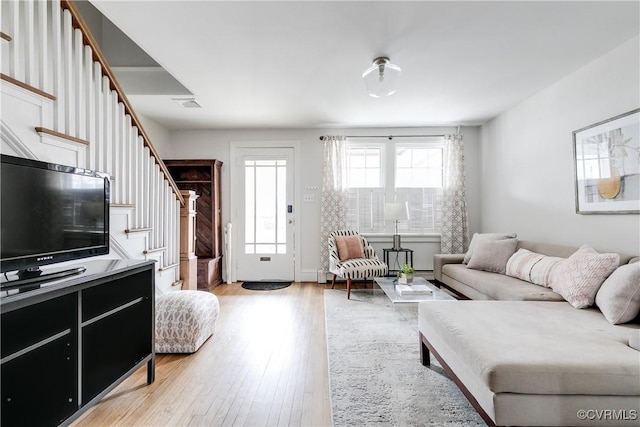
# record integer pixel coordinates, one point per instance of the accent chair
(352, 257)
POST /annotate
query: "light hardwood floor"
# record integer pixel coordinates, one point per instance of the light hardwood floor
(266, 365)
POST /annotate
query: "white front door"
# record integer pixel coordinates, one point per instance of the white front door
(265, 215)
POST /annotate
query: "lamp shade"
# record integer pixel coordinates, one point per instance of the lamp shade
(396, 211)
(381, 78)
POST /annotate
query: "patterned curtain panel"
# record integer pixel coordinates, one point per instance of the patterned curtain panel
(455, 225)
(333, 209)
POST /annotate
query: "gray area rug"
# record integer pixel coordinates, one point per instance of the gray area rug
(375, 373)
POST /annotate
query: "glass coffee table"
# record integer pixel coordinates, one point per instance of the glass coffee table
(389, 286)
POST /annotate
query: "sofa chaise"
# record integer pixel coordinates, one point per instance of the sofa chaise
(525, 357)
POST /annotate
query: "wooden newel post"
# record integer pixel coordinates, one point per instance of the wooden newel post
(188, 258)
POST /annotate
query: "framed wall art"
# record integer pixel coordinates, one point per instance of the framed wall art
(607, 166)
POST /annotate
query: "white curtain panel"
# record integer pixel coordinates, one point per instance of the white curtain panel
(455, 224)
(333, 209)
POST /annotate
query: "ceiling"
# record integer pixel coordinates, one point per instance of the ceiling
(298, 64)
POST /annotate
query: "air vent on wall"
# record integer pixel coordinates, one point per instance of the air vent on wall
(187, 102)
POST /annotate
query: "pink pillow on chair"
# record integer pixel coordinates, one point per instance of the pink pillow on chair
(349, 247)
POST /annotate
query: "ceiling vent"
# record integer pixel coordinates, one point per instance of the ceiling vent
(187, 102)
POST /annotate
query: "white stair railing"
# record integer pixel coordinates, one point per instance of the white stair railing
(47, 48)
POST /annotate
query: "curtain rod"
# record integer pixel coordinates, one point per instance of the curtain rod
(390, 136)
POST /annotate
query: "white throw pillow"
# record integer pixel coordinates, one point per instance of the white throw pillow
(542, 271)
(521, 263)
(485, 236)
(532, 267)
(579, 277)
(619, 295)
(492, 255)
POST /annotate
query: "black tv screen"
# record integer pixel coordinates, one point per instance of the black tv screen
(50, 213)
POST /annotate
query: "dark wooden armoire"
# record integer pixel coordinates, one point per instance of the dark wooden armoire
(203, 177)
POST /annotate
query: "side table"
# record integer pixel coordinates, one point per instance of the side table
(408, 258)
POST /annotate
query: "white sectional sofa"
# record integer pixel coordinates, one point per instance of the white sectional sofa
(525, 357)
(450, 272)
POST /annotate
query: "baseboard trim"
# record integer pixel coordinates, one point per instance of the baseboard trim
(308, 276)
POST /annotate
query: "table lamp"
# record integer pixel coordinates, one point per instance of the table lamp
(396, 212)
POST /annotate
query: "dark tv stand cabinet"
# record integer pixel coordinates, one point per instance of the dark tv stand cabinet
(66, 344)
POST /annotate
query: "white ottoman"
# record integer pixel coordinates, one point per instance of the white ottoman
(184, 320)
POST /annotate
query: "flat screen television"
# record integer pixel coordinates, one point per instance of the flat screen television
(50, 213)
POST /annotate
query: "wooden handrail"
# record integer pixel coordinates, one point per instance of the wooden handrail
(79, 23)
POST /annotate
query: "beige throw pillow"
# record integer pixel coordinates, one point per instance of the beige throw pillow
(579, 277)
(542, 271)
(619, 295)
(485, 236)
(349, 247)
(521, 263)
(492, 255)
(532, 267)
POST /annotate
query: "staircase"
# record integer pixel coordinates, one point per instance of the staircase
(61, 104)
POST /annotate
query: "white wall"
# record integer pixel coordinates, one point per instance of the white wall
(215, 144)
(527, 157)
(158, 134)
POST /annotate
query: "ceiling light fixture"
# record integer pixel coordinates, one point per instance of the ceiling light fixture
(381, 78)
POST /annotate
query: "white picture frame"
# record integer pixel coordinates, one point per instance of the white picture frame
(607, 166)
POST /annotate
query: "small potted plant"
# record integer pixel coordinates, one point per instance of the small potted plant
(405, 275)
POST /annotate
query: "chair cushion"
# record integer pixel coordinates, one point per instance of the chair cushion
(349, 247)
(185, 320)
(362, 268)
(498, 286)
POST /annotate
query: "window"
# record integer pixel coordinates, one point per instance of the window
(366, 186)
(394, 171)
(364, 166)
(418, 181)
(265, 216)
(418, 166)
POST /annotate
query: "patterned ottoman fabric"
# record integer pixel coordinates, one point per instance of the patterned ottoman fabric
(184, 320)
